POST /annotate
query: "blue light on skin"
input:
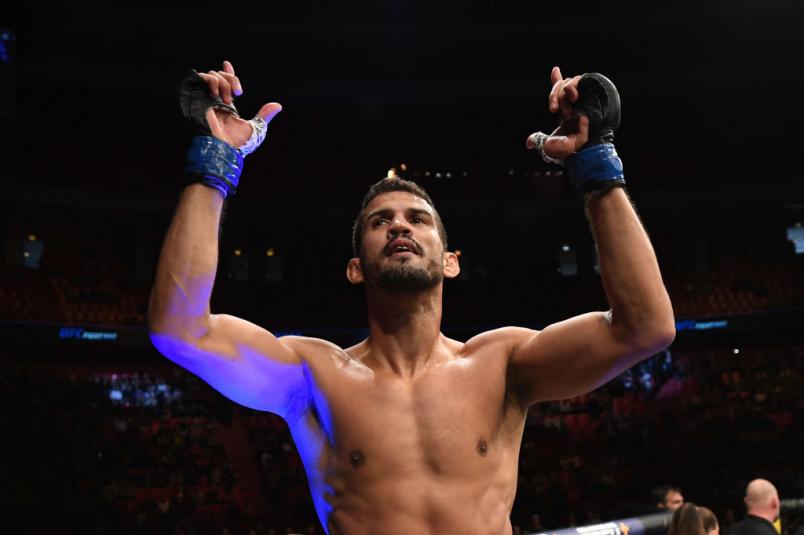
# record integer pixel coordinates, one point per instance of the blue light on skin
(307, 414)
(312, 444)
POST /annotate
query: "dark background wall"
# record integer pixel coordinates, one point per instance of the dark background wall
(91, 150)
(709, 89)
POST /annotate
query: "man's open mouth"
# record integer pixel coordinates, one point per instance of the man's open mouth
(401, 245)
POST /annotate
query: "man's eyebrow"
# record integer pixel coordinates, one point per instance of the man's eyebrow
(387, 211)
(419, 211)
(381, 211)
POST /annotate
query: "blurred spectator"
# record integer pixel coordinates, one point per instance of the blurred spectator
(710, 523)
(535, 524)
(667, 497)
(762, 502)
(686, 521)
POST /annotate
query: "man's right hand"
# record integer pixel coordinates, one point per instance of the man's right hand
(225, 125)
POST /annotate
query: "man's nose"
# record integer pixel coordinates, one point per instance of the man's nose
(399, 226)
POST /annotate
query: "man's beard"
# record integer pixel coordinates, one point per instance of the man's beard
(405, 278)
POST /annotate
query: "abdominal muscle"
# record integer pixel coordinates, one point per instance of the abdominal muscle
(423, 505)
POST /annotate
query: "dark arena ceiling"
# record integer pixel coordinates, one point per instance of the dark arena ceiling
(710, 92)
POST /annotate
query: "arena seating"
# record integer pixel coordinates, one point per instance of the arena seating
(145, 447)
(732, 286)
(736, 285)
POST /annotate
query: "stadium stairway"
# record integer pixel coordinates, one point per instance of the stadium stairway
(242, 462)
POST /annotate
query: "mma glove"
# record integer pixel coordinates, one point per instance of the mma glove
(209, 160)
(596, 167)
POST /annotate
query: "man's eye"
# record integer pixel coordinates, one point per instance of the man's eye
(377, 222)
(418, 220)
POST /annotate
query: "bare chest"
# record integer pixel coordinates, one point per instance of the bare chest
(452, 420)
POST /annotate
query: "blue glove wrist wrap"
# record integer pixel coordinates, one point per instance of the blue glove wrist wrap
(215, 163)
(595, 168)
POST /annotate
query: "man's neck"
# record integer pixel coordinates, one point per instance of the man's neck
(404, 330)
(767, 515)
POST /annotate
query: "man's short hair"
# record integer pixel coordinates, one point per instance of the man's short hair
(388, 185)
(659, 494)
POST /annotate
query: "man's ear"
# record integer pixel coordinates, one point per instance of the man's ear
(451, 265)
(354, 271)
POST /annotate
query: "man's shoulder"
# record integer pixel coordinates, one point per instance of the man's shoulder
(313, 350)
(753, 525)
(497, 343)
(501, 336)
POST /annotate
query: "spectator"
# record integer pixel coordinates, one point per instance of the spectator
(762, 502)
(536, 524)
(687, 521)
(667, 498)
(710, 523)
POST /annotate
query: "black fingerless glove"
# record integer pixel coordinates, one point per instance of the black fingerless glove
(596, 166)
(209, 160)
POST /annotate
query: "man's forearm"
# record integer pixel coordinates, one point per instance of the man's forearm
(633, 283)
(187, 264)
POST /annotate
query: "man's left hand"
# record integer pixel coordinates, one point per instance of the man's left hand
(573, 132)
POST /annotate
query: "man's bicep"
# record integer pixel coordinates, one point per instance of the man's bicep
(243, 361)
(568, 358)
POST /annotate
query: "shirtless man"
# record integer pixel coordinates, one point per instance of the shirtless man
(407, 432)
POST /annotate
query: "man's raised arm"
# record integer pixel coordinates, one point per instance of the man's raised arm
(577, 355)
(241, 360)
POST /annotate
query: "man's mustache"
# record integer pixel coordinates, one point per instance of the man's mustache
(393, 243)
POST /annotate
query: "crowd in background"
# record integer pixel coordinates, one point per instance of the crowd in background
(102, 274)
(140, 451)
